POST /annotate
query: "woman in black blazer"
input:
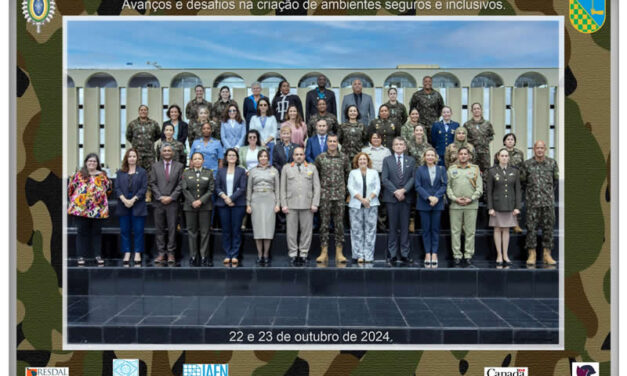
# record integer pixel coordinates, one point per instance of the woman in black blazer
(130, 189)
(180, 127)
(504, 198)
(231, 203)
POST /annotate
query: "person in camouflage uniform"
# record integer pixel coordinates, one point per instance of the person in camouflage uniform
(191, 110)
(220, 106)
(540, 174)
(332, 122)
(384, 126)
(429, 103)
(333, 167)
(398, 112)
(417, 145)
(516, 156)
(450, 155)
(195, 126)
(178, 149)
(407, 130)
(142, 134)
(352, 133)
(480, 134)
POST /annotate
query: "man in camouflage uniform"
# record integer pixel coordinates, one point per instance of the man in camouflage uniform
(322, 113)
(191, 110)
(540, 174)
(333, 168)
(142, 134)
(429, 103)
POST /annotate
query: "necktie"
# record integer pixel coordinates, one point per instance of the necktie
(298, 167)
(167, 170)
(321, 142)
(287, 152)
(399, 167)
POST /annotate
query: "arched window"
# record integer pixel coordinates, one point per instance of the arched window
(270, 80)
(487, 79)
(365, 80)
(444, 80)
(142, 80)
(231, 80)
(531, 79)
(101, 80)
(185, 80)
(400, 79)
(70, 82)
(310, 80)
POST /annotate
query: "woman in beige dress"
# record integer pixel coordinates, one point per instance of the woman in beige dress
(262, 203)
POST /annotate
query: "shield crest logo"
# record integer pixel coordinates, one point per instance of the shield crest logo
(38, 12)
(587, 16)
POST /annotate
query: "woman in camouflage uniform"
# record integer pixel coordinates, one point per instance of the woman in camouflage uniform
(516, 156)
(219, 108)
(178, 148)
(417, 145)
(384, 126)
(195, 125)
(450, 155)
(480, 134)
(398, 112)
(407, 130)
(352, 133)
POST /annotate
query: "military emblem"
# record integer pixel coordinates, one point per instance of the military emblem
(587, 16)
(38, 12)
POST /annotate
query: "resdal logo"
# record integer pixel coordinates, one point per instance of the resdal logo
(506, 371)
(584, 369)
(47, 371)
(205, 370)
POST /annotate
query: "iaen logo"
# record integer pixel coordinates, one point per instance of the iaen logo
(584, 369)
(506, 371)
(205, 370)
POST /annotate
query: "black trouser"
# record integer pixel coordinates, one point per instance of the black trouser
(89, 235)
(165, 221)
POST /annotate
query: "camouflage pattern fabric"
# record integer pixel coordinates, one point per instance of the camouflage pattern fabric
(195, 131)
(178, 150)
(429, 107)
(39, 180)
(540, 217)
(416, 150)
(217, 111)
(407, 131)
(331, 123)
(386, 128)
(398, 112)
(352, 138)
(142, 135)
(335, 209)
(191, 109)
(450, 154)
(334, 171)
(480, 134)
(539, 179)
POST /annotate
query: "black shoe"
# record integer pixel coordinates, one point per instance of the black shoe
(468, 262)
(193, 261)
(457, 261)
(259, 260)
(392, 261)
(266, 260)
(206, 262)
(499, 263)
(294, 260)
(407, 260)
(302, 260)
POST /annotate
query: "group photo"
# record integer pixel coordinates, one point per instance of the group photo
(264, 179)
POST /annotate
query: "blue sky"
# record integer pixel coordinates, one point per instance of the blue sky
(309, 44)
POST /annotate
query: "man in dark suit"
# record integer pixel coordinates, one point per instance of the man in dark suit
(317, 144)
(165, 179)
(283, 151)
(397, 180)
(362, 101)
(320, 92)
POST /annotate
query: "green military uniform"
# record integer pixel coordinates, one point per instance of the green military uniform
(450, 154)
(407, 131)
(195, 131)
(416, 150)
(398, 112)
(540, 179)
(178, 150)
(429, 107)
(480, 134)
(197, 185)
(386, 128)
(516, 158)
(352, 138)
(191, 110)
(332, 125)
(217, 111)
(142, 136)
(464, 182)
(333, 171)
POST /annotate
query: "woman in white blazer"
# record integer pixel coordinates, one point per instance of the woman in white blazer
(364, 187)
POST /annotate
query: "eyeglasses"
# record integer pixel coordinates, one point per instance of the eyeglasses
(232, 110)
(249, 137)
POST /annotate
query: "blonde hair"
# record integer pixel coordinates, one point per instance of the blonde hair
(437, 157)
(356, 159)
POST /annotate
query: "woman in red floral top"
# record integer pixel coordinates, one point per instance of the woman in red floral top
(88, 191)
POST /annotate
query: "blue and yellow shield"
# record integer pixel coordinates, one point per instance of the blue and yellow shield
(38, 9)
(587, 16)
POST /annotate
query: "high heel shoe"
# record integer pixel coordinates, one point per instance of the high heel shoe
(127, 258)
